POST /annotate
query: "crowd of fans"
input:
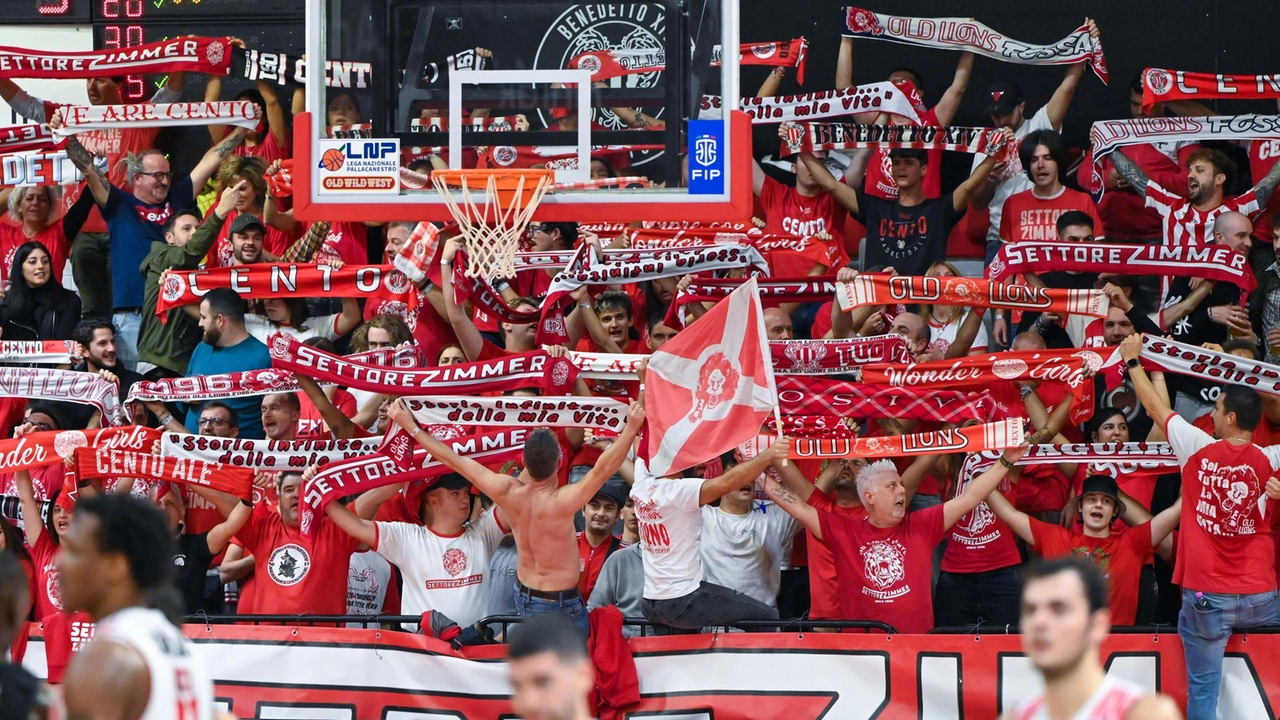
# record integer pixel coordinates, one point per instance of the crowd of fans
(915, 543)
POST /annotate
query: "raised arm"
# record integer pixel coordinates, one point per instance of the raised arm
(980, 487)
(1267, 186)
(463, 328)
(212, 159)
(363, 529)
(1129, 169)
(977, 182)
(221, 534)
(495, 485)
(577, 495)
(83, 160)
(966, 334)
(341, 426)
(1157, 407)
(31, 524)
(845, 195)
(276, 123)
(946, 108)
(1017, 520)
(791, 503)
(743, 474)
(1061, 100)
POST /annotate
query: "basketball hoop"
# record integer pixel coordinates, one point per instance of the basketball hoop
(492, 228)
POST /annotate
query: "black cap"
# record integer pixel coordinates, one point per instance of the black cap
(614, 489)
(1002, 98)
(244, 221)
(1105, 485)
(452, 481)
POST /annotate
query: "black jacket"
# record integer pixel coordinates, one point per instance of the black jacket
(54, 317)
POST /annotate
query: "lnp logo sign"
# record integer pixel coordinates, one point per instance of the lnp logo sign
(706, 161)
(360, 166)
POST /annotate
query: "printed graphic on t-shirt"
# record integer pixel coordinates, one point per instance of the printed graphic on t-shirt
(363, 590)
(81, 634)
(1098, 556)
(52, 585)
(180, 560)
(288, 564)
(1229, 501)
(806, 227)
(653, 534)
(159, 217)
(454, 562)
(885, 566)
(974, 522)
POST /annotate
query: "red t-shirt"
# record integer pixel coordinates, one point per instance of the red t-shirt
(296, 573)
(980, 541)
(1224, 544)
(346, 241)
(824, 587)
(275, 241)
(48, 589)
(1027, 217)
(1262, 157)
(311, 425)
(12, 237)
(430, 331)
(267, 148)
(590, 562)
(788, 212)
(885, 574)
(879, 181)
(1120, 557)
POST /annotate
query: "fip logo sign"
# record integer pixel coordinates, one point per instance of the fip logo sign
(706, 157)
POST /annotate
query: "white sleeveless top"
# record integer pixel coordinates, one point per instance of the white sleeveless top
(1111, 701)
(180, 685)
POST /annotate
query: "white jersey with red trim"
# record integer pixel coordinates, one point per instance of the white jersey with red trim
(181, 688)
(1113, 700)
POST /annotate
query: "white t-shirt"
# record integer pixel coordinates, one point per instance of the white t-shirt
(941, 336)
(325, 326)
(670, 531)
(368, 577)
(444, 574)
(744, 552)
(1014, 178)
(180, 684)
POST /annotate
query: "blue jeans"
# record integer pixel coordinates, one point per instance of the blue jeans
(1205, 624)
(573, 608)
(128, 324)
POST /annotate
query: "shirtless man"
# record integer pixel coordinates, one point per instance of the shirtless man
(1064, 621)
(539, 513)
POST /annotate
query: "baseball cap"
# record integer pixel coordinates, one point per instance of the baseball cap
(452, 481)
(1003, 97)
(614, 489)
(1105, 485)
(244, 221)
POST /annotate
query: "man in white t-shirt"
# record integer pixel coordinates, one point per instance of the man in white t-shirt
(676, 592)
(445, 564)
(743, 542)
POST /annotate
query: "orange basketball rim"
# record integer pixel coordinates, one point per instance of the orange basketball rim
(492, 226)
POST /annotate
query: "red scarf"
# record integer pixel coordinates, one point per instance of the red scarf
(833, 398)
(881, 289)
(39, 449)
(1211, 262)
(266, 455)
(551, 157)
(811, 289)
(207, 56)
(554, 376)
(559, 412)
(811, 136)
(606, 64)
(1043, 365)
(27, 138)
(93, 464)
(886, 97)
(817, 251)
(38, 352)
(778, 54)
(357, 475)
(821, 426)
(975, 438)
(279, 280)
(1160, 85)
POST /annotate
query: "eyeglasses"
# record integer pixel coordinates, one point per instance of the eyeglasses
(211, 421)
(158, 175)
(540, 227)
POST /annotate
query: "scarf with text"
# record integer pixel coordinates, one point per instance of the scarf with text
(210, 56)
(551, 157)
(792, 54)
(38, 449)
(1182, 359)
(554, 376)
(811, 136)
(834, 398)
(26, 138)
(816, 251)
(1160, 85)
(810, 289)
(969, 34)
(80, 118)
(93, 464)
(881, 289)
(77, 387)
(972, 439)
(558, 412)
(30, 169)
(357, 475)
(37, 352)
(1130, 458)
(490, 123)
(811, 426)
(265, 455)
(353, 131)
(279, 280)
(606, 64)
(1211, 262)
(1107, 135)
(283, 69)
(882, 97)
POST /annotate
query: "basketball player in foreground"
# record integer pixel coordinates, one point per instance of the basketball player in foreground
(1064, 621)
(550, 673)
(115, 556)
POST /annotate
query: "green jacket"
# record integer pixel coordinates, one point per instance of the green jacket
(169, 344)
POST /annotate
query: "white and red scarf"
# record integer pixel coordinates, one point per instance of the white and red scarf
(1182, 359)
(281, 69)
(807, 396)
(1107, 135)
(208, 56)
(811, 289)
(882, 97)
(790, 357)
(971, 35)
(357, 475)
(1065, 366)
(418, 252)
(26, 138)
(552, 157)
(1131, 458)
(1160, 85)
(37, 352)
(93, 464)
(265, 455)
(882, 289)
(82, 118)
(1211, 262)
(778, 54)
(811, 136)
(554, 376)
(606, 64)
(972, 439)
(77, 387)
(277, 280)
(558, 412)
(54, 167)
(39, 449)
(352, 131)
(490, 123)
(817, 251)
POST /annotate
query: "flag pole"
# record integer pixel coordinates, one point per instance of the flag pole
(777, 418)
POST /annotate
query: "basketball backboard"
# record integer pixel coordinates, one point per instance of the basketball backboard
(612, 88)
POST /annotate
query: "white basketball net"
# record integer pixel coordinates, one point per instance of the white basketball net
(491, 232)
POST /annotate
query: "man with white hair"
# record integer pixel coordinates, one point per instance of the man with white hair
(884, 559)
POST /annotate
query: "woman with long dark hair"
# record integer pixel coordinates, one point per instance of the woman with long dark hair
(36, 306)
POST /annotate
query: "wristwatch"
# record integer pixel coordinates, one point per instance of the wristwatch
(1132, 363)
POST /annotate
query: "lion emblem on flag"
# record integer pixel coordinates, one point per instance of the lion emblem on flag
(884, 562)
(863, 22)
(717, 383)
